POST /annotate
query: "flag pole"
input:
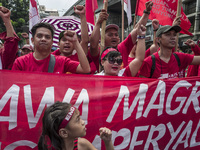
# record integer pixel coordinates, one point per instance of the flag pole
(178, 14)
(103, 28)
(136, 8)
(122, 20)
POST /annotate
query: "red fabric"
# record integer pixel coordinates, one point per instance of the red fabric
(72, 57)
(141, 113)
(125, 48)
(165, 12)
(147, 53)
(76, 144)
(29, 63)
(9, 51)
(92, 60)
(193, 69)
(166, 70)
(90, 7)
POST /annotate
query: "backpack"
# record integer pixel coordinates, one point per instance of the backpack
(154, 63)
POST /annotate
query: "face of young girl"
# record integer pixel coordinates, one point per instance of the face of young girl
(112, 66)
(76, 126)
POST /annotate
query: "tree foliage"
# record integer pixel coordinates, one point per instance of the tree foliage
(19, 14)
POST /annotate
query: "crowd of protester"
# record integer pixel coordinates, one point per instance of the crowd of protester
(126, 58)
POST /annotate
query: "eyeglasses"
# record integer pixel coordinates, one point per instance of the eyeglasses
(113, 60)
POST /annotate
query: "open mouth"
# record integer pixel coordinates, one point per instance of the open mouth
(115, 68)
(113, 41)
(66, 47)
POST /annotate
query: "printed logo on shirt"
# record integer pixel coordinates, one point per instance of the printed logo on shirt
(172, 76)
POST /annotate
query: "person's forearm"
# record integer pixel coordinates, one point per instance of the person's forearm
(140, 49)
(85, 67)
(94, 40)
(84, 34)
(143, 20)
(109, 145)
(134, 35)
(9, 28)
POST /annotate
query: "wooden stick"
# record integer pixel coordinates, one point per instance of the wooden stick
(122, 20)
(178, 14)
(103, 28)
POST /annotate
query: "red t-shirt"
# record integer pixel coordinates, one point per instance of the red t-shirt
(165, 70)
(147, 53)
(74, 57)
(193, 69)
(29, 63)
(125, 48)
(8, 52)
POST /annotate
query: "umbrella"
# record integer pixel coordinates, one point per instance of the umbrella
(66, 22)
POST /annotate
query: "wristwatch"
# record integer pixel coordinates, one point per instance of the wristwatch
(146, 12)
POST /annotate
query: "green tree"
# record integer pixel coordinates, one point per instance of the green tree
(19, 14)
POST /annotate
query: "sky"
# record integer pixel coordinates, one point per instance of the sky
(61, 5)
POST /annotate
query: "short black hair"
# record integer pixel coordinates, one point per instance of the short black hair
(42, 25)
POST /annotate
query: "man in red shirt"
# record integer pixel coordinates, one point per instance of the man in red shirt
(40, 59)
(166, 62)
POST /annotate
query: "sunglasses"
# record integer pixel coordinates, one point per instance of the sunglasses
(113, 60)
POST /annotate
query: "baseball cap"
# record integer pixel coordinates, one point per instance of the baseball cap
(167, 28)
(112, 26)
(28, 47)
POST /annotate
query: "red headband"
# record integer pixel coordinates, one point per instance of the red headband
(107, 51)
(67, 118)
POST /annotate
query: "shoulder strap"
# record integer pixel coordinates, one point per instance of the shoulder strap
(76, 144)
(153, 65)
(51, 63)
(177, 58)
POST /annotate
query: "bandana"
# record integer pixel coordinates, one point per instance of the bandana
(67, 118)
(106, 52)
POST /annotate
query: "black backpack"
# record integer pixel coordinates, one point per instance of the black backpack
(154, 63)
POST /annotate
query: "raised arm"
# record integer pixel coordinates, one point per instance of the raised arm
(95, 36)
(140, 50)
(143, 20)
(5, 15)
(154, 47)
(194, 47)
(11, 41)
(26, 37)
(84, 66)
(80, 10)
(106, 136)
(177, 21)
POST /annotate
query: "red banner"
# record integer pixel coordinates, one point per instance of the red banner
(165, 11)
(142, 113)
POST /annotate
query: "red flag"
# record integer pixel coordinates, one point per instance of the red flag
(165, 11)
(90, 7)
